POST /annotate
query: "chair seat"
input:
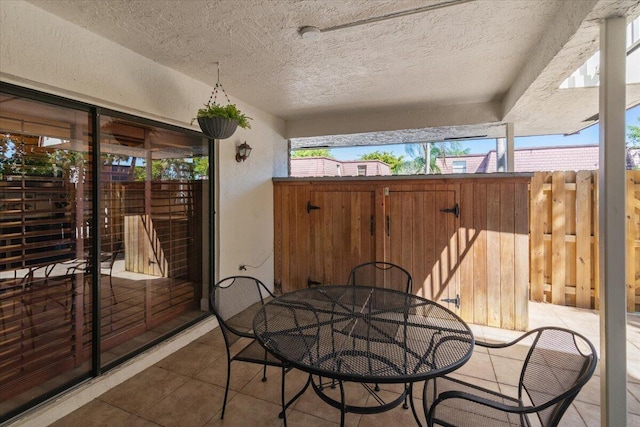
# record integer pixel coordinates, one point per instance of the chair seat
(297, 347)
(461, 412)
(255, 353)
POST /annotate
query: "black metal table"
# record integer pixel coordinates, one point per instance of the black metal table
(365, 335)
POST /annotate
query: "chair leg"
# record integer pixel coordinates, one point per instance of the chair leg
(406, 395)
(284, 403)
(226, 390)
(343, 405)
(264, 368)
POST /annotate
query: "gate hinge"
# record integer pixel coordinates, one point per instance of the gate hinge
(310, 207)
(454, 210)
(455, 300)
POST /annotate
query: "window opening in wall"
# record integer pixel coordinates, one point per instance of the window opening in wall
(459, 166)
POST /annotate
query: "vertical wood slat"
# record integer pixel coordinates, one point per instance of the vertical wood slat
(507, 261)
(453, 227)
(428, 284)
(466, 237)
(419, 245)
(381, 244)
(537, 252)
(302, 234)
(406, 230)
(285, 246)
(558, 236)
(277, 238)
(480, 311)
(521, 252)
(630, 244)
(493, 255)
(583, 239)
(441, 243)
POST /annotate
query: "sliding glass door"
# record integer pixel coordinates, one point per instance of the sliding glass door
(83, 290)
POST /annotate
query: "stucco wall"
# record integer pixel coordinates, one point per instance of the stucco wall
(41, 51)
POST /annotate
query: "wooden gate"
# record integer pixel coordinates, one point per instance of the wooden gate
(480, 256)
(420, 237)
(342, 222)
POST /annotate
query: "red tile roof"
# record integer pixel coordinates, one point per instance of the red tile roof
(568, 157)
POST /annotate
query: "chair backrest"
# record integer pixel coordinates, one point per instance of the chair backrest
(558, 365)
(381, 274)
(234, 300)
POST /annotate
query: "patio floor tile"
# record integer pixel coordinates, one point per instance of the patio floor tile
(187, 388)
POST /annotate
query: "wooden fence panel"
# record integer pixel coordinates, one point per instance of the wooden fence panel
(633, 238)
(537, 228)
(563, 264)
(583, 240)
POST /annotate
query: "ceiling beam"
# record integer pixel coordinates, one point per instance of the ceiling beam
(558, 36)
(397, 118)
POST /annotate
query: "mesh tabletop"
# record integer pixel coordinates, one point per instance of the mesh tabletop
(364, 334)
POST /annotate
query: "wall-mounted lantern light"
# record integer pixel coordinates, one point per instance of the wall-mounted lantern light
(242, 152)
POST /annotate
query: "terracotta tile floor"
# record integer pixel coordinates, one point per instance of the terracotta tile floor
(187, 388)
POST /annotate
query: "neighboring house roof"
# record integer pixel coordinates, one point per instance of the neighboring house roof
(324, 166)
(532, 159)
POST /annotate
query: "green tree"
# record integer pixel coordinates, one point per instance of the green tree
(201, 167)
(418, 154)
(394, 162)
(319, 152)
(633, 135)
(431, 150)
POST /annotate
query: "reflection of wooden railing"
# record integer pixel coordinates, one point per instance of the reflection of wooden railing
(143, 250)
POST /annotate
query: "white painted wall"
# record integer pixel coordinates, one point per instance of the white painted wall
(41, 51)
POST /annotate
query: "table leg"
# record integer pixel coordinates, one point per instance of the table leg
(285, 406)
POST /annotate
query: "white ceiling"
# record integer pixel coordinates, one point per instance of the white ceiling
(475, 63)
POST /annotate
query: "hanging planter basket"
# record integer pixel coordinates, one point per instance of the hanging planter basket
(217, 127)
(221, 121)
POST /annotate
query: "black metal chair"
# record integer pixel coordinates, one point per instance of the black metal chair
(381, 274)
(378, 274)
(229, 297)
(558, 364)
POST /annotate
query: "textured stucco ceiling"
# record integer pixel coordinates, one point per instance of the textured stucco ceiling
(510, 53)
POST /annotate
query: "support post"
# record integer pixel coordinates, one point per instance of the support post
(501, 158)
(612, 235)
(510, 147)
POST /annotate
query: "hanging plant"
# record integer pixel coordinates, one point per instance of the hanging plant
(218, 121)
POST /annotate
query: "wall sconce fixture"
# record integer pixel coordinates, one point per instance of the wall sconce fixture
(242, 152)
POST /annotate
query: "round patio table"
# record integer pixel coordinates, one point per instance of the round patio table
(365, 335)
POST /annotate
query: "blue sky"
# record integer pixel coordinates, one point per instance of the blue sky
(589, 135)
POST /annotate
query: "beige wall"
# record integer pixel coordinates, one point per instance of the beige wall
(41, 51)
